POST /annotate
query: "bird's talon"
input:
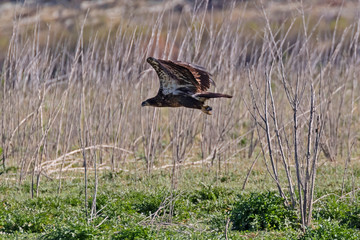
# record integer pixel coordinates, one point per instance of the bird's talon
(206, 109)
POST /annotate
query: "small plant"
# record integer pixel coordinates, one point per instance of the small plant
(217, 221)
(146, 203)
(78, 229)
(206, 193)
(135, 232)
(262, 211)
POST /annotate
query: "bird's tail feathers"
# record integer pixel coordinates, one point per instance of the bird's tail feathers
(212, 95)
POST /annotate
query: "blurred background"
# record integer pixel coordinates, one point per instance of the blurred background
(63, 18)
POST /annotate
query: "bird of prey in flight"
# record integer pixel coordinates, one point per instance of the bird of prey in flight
(182, 85)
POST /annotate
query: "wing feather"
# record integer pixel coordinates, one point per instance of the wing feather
(202, 76)
(166, 81)
(189, 74)
(175, 76)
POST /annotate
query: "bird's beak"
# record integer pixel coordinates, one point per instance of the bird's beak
(145, 103)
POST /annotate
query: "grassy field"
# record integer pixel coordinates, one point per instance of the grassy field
(81, 159)
(203, 207)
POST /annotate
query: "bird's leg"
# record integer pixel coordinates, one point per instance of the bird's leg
(206, 109)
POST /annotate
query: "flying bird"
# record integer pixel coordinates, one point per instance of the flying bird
(182, 85)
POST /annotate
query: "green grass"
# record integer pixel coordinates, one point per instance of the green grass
(202, 208)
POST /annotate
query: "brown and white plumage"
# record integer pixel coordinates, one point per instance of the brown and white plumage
(182, 84)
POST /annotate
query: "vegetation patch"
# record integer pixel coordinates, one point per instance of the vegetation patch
(331, 230)
(347, 213)
(262, 211)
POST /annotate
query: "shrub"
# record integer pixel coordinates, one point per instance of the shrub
(19, 218)
(345, 213)
(262, 211)
(352, 218)
(331, 230)
(331, 209)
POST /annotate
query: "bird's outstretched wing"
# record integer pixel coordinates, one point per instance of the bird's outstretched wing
(176, 75)
(189, 73)
(169, 83)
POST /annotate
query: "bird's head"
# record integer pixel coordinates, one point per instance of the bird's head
(152, 61)
(151, 102)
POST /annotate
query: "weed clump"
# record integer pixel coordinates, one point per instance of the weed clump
(343, 212)
(135, 232)
(331, 230)
(262, 211)
(78, 229)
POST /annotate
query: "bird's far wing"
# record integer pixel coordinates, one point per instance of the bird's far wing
(176, 75)
(182, 75)
(188, 74)
(202, 77)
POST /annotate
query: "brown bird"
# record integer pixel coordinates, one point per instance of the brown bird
(182, 85)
